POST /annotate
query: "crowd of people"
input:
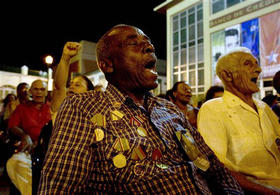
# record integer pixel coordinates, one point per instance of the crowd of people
(126, 140)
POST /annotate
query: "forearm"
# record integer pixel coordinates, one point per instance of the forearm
(249, 185)
(61, 73)
(17, 131)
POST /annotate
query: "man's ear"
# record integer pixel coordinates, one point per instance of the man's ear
(227, 75)
(106, 66)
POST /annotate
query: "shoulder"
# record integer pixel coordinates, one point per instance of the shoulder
(216, 103)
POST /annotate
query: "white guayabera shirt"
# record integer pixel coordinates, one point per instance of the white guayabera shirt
(244, 140)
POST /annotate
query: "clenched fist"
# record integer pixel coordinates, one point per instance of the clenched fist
(70, 49)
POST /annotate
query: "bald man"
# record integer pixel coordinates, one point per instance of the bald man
(243, 131)
(26, 123)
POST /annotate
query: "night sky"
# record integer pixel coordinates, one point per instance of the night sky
(29, 31)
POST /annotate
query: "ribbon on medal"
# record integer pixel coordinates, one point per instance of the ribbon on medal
(138, 153)
(136, 121)
(121, 144)
(99, 120)
(116, 115)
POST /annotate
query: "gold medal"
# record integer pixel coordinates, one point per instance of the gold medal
(116, 115)
(121, 144)
(99, 120)
(119, 161)
(99, 134)
(141, 131)
(117, 105)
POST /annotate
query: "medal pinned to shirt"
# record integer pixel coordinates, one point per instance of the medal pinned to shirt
(119, 161)
(156, 154)
(136, 121)
(116, 115)
(139, 169)
(99, 134)
(121, 144)
(99, 120)
(138, 153)
(141, 131)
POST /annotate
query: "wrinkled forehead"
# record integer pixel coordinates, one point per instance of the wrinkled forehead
(247, 57)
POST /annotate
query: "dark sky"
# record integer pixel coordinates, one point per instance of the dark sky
(30, 31)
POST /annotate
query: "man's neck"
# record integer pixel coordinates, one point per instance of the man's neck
(247, 98)
(181, 106)
(37, 105)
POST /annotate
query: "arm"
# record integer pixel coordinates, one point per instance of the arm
(61, 74)
(68, 160)
(250, 186)
(14, 128)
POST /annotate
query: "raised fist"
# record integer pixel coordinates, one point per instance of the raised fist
(71, 49)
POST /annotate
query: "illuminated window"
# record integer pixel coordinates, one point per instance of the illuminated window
(187, 48)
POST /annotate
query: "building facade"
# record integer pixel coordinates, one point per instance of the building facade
(198, 32)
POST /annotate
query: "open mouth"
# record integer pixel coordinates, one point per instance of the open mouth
(70, 93)
(254, 80)
(151, 65)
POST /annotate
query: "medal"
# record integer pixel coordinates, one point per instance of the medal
(99, 134)
(99, 120)
(117, 105)
(139, 169)
(141, 131)
(116, 115)
(119, 161)
(156, 155)
(136, 121)
(121, 144)
(138, 153)
(162, 166)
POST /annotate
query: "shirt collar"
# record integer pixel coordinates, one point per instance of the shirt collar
(232, 101)
(117, 97)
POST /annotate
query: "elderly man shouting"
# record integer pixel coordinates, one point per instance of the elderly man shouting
(241, 130)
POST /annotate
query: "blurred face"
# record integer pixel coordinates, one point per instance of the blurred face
(183, 93)
(134, 60)
(218, 94)
(246, 75)
(77, 85)
(23, 92)
(231, 42)
(39, 91)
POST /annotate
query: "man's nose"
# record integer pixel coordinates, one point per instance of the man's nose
(149, 48)
(258, 69)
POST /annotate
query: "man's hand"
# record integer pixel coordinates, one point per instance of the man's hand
(26, 144)
(70, 49)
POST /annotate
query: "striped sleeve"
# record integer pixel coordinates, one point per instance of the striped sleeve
(67, 162)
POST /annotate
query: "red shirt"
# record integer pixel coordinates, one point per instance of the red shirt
(30, 119)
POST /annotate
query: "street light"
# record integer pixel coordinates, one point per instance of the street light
(49, 60)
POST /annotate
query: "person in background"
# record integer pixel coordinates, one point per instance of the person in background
(26, 123)
(79, 84)
(270, 100)
(243, 131)
(182, 94)
(276, 85)
(125, 140)
(214, 92)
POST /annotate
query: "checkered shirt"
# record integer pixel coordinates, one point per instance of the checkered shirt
(79, 161)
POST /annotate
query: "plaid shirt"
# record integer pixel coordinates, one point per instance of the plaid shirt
(93, 129)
